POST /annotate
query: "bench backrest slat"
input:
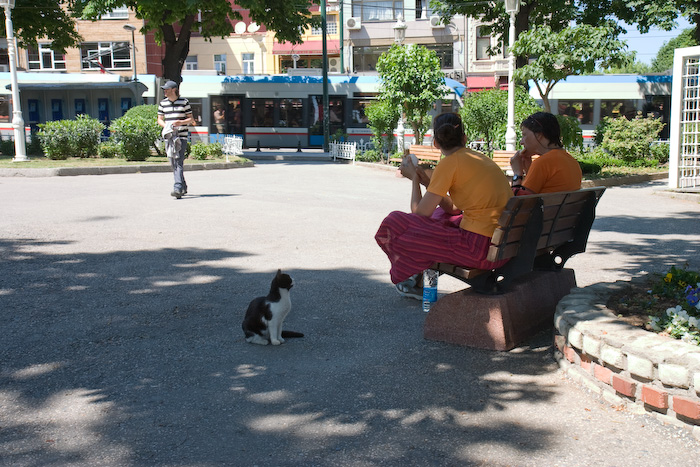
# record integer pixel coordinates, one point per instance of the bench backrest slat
(561, 214)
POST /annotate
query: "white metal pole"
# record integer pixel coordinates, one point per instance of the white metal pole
(17, 120)
(510, 128)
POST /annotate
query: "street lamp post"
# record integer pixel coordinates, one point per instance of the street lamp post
(512, 8)
(131, 28)
(17, 120)
(399, 37)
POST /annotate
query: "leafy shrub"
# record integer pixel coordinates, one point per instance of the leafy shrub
(485, 115)
(589, 166)
(383, 118)
(371, 155)
(660, 152)
(571, 134)
(135, 136)
(631, 140)
(86, 136)
(56, 139)
(7, 147)
(62, 139)
(152, 131)
(34, 147)
(203, 151)
(108, 150)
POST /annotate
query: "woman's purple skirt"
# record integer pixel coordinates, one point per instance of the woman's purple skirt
(413, 243)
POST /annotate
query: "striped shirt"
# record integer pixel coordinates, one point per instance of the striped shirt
(178, 109)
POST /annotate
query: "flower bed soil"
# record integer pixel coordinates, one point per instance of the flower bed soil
(634, 304)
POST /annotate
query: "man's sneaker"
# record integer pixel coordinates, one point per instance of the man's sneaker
(176, 193)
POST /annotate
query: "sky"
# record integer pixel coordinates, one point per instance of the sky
(647, 45)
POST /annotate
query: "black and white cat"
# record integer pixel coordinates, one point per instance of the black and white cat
(265, 315)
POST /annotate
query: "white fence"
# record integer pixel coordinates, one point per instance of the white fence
(233, 146)
(684, 161)
(343, 151)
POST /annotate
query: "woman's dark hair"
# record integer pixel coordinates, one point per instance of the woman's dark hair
(448, 130)
(546, 124)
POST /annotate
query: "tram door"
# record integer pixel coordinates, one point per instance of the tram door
(234, 115)
(336, 108)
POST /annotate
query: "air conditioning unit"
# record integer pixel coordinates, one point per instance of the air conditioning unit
(5, 68)
(435, 22)
(334, 65)
(353, 24)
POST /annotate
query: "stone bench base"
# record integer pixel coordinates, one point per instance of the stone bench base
(499, 322)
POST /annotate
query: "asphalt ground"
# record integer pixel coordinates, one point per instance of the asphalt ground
(120, 339)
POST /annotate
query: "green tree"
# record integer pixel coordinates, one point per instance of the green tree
(36, 19)
(383, 117)
(576, 50)
(664, 57)
(485, 115)
(411, 80)
(558, 14)
(173, 22)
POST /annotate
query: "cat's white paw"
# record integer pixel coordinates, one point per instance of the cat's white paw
(281, 341)
(276, 342)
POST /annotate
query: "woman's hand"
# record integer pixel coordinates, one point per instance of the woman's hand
(520, 162)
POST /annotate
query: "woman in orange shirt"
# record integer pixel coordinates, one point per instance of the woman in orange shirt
(554, 170)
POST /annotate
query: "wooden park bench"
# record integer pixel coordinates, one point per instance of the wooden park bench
(429, 154)
(432, 155)
(538, 234)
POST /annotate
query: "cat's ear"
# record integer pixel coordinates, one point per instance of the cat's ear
(279, 272)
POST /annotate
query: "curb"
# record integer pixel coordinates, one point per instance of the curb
(625, 365)
(117, 169)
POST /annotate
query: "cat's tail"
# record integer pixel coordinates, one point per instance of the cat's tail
(291, 334)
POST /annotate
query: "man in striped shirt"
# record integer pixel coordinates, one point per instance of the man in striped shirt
(175, 114)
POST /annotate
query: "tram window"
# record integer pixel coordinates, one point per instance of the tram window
(291, 113)
(358, 111)
(263, 111)
(196, 105)
(4, 110)
(625, 108)
(580, 110)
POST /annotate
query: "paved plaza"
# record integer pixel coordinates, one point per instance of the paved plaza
(120, 339)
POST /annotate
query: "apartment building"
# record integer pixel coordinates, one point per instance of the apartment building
(97, 78)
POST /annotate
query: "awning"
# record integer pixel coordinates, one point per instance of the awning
(457, 87)
(475, 83)
(138, 87)
(307, 48)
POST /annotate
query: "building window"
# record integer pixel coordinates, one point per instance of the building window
(191, 62)
(373, 10)
(44, 58)
(220, 63)
(483, 44)
(105, 55)
(365, 58)
(331, 26)
(121, 12)
(444, 53)
(248, 61)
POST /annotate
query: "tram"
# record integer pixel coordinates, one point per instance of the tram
(276, 111)
(591, 98)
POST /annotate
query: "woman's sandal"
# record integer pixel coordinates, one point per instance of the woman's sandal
(409, 288)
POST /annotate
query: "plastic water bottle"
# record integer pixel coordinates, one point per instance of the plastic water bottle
(430, 282)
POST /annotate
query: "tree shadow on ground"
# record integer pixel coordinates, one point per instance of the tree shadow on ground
(137, 357)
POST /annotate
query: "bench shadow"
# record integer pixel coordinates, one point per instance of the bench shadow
(139, 354)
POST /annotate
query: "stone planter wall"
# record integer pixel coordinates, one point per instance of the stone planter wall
(624, 364)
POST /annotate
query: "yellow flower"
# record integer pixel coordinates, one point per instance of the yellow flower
(668, 277)
(681, 283)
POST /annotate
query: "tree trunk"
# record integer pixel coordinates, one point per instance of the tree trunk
(177, 46)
